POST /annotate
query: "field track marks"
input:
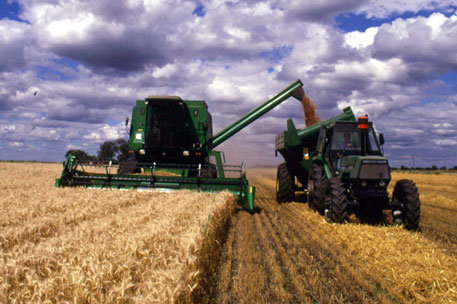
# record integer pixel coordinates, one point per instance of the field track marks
(241, 280)
(290, 262)
(325, 271)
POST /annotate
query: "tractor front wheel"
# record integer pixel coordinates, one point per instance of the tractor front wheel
(406, 196)
(337, 211)
(285, 187)
(316, 188)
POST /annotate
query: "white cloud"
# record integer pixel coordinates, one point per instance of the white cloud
(445, 142)
(16, 144)
(72, 147)
(126, 50)
(373, 8)
(106, 133)
(15, 38)
(166, 71)
(361, 40)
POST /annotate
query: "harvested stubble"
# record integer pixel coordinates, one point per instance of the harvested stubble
(92, 246)
(292, 254)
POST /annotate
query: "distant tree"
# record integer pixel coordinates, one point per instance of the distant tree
(107, 151)
(80, 154)
(114, 150)
(434, 167)
(123, 153)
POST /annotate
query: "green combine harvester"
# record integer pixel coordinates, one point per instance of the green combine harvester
(341, 166)
(172, 146)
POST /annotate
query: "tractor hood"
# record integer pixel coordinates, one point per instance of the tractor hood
(365, 167)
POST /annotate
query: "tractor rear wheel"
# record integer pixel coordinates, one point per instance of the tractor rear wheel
(337, 212)
(406, 194)
(285, 186)
(317, 183)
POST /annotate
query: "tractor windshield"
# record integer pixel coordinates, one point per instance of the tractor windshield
(373, 145)
(347, 139)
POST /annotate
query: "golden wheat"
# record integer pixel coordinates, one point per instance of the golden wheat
(90, 246)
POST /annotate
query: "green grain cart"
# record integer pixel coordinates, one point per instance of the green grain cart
(339, 163)
(172, 146)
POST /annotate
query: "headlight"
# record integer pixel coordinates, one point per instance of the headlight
(141, 152)
(364, 183)
(382, 183)
(185, 153)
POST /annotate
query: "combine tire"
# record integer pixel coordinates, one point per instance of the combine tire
(316, 188)
(285, 187)
(337, 211)
(209, 171)
(127, 167)
(406, 194)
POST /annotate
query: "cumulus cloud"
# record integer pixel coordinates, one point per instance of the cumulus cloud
(422, 43)
(373, 8)
(73, 70)
(15, 39)
(320, 10)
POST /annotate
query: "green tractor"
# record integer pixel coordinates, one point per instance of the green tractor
(340, 164)
(172, 146)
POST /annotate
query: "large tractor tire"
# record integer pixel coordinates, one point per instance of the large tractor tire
(317, 184)
(406, 194)
(337, 211)
(285, 186)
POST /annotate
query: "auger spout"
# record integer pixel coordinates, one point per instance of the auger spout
(295, 89)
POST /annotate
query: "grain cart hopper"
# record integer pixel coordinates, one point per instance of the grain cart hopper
(340, 164)
(172, 146)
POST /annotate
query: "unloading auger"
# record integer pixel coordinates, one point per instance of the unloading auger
(172, 146)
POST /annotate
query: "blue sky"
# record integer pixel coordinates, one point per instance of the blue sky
(70, 72)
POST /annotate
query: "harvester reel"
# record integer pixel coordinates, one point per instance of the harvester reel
(406, 196)
(336, 212)
(285, 186)
(316, 188)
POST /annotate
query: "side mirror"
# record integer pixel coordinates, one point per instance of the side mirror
(381, 139)
(126, 121)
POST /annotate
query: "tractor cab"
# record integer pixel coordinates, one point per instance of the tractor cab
(353, 151)
(352, 138)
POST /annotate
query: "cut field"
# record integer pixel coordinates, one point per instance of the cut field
(286, 253)
(94, 246)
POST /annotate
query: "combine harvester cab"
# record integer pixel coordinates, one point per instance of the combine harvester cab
(172, 147)
(340, 164)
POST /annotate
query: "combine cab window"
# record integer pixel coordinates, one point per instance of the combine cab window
(170, 126)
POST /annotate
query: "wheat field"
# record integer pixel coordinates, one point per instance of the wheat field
(98, 246)
(101, 246)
